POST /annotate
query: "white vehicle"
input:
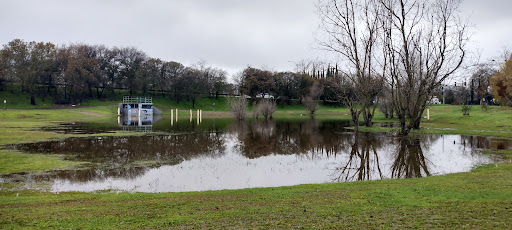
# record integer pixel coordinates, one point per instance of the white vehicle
(266, 95)
(435, 101)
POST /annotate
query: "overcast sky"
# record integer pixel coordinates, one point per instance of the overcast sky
(229, 34)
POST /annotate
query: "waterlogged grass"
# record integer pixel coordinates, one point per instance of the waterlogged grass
(24, 126)
(13, 161)
(448, 119)
(481, 199)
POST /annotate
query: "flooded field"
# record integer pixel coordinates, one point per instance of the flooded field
(225, 154)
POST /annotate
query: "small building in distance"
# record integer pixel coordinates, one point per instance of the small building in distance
(136, 106)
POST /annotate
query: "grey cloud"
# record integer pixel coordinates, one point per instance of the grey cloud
(226, 33)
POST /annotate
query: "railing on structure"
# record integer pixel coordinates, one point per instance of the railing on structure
(143, 129)
(129, 100)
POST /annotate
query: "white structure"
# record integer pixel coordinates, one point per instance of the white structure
(136, 106)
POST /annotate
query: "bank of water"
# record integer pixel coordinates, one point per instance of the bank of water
(198, 155)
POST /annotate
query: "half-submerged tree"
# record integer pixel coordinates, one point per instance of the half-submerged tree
(238, 106)
(351, 29)
(414, 44)
(424, 44)
(265, 107)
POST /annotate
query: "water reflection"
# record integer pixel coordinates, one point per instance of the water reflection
(142, 123)
(363, 161)
(166, 149)
(259, 153)
(409, 160)
(267, 137)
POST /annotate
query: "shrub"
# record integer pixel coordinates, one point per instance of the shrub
(238, 106)
(265, 107)
(311, 105)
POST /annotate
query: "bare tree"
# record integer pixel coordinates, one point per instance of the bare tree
(351, 30)
(265, 107)
(386, 103)
(424, 44)
(238, 106)
(310, 100)
(310, 104)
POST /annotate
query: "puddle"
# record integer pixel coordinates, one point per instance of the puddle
(224, 154)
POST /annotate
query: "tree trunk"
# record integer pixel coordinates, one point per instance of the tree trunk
(355, 119)
(368, 116)
(416, 124)
(49, 83)
(32, 99)
(403, 128)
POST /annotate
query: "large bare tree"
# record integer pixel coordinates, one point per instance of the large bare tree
(424, 44)
(351, 29)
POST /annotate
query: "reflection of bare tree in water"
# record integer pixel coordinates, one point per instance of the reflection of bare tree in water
(485, 142)
(409, 159)
(261, 140)
(363, 162)
(240, 129)
(266, 137)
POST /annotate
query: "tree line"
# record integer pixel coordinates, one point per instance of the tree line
(76, 72)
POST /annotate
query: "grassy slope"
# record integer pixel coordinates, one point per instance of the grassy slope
(481, 199)
(18, 100)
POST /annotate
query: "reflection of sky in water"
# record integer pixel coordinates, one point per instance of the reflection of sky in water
(233, 170)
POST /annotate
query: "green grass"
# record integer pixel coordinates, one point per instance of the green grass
(21, 100)
(481, 199)
(13, 161)
(446, 119)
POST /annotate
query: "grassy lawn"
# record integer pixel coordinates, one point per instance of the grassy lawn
(496, 121)
(480, 199)
(18, 100)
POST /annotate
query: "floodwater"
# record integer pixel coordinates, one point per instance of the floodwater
(226, 154)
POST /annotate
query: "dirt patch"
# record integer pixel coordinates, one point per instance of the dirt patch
(211, 114)
(91, 114)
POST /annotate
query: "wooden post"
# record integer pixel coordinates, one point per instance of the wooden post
(428, 114)
(172, 116)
